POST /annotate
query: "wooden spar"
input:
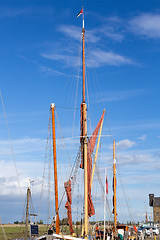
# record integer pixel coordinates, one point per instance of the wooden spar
(114, 187)
(27, 212)
(55, 167)
(95, 159)
(84, 126)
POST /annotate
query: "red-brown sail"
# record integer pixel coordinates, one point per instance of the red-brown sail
(90, 148)
(67, 186)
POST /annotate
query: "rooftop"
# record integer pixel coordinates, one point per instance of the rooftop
(156, 202)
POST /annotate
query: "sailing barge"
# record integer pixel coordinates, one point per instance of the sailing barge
(87, 146)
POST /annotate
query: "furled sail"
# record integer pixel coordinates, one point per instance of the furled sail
(113, 195)
(90, 148)
(67, 186)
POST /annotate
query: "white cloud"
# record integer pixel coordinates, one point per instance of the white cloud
(109, 27)
(23, 145)
(76, 32)
(67, 60)
(101, 57)
(147, 25)
(9, 180)
(125, 144)
(133, 158)
(143, 137)
(111, 34)
(95, 58)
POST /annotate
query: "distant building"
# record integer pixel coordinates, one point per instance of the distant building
(155, 203)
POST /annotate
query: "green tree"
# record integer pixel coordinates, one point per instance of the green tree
(16, 222)
(64, 221)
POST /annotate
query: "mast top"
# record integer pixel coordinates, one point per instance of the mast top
(81, 12)
(30, 181)
(52, 105)
(83, 18)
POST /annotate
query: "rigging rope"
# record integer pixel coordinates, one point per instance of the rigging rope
(126, 198)
(76, 167)
(76, 89)
(80, 136)
(68, 108)
(103, 192)
(11, 146)
(49, 180)
(98, 89)
(62, 138)
(44, 169)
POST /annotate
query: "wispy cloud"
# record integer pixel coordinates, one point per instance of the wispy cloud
(147, 25)
(109, 27)
(153, 124)
(67, 60)
(101, 57)
(113, 27)
(107, 30)
(143, 137)
(95, 58)
(75, 33)
(22, 146)
(110, 33)
(122, 95)
(13, 12)
(133, 158)
(125, 144)
(50, 71)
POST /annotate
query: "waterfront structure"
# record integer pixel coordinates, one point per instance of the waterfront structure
(155, 203)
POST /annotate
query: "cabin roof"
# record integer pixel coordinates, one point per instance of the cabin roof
(156, 202)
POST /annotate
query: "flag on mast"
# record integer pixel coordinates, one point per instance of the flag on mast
(80, 13)
(106, 185)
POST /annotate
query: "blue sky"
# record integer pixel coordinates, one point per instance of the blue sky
(40, 58)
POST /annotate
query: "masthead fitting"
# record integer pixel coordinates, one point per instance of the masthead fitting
(30, 181)
(83, 17)
(52, 105)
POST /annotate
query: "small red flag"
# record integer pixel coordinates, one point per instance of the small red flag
(106, 185)
(80, 13)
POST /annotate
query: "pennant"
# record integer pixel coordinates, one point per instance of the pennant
(106, 185)
(80, 13)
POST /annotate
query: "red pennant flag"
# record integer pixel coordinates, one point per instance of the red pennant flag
(80, 13)
(106, 185)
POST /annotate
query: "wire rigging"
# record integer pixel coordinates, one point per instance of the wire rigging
(11, 146)
(76, 91)
(103, 191)
(126, 198)
(45, 163)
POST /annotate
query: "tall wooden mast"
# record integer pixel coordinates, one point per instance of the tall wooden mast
(84, 137)
(114, 187)
(27, 211)
(55, 166)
